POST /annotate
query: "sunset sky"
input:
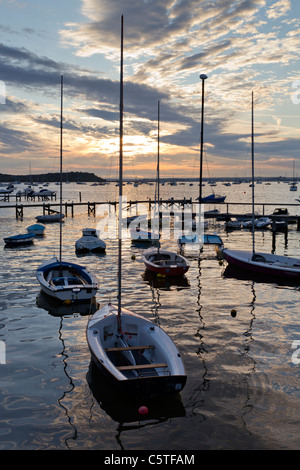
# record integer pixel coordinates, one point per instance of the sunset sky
(242, 46)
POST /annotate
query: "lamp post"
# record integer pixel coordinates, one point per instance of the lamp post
(202, 77)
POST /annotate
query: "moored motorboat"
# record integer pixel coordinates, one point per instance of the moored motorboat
(6, 191)
(90, 242)
(263, 222)
(213, 198)
(44, 193)
(57, 217)
(19, 240)
(233, 224)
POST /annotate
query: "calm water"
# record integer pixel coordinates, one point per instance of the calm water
(242, 390)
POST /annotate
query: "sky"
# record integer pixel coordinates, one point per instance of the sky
(243, 46)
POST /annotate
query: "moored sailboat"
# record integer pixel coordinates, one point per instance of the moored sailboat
(165, 262)
(258, 262)
(201, 238)
(61, 279)
(156, 259)
(135, 354)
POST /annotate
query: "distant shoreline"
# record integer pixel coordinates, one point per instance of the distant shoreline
(86, 177)
(72, 177)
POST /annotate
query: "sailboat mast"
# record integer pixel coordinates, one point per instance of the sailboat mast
(61, 152)
(120, 184)
(158, 175)
(252, 158)
(202, 77)
(158, 120)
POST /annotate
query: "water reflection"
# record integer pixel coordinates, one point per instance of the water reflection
(156, 304)
(58, 309)
(197, 399)
(248, 340)
(126, 411)
(162, 282)
(71, 387)
(245, 275)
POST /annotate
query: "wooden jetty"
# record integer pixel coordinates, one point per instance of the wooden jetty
(27, 197)
(50, 207)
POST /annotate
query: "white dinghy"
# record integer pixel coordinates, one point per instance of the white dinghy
(134, 353)
(137, 355)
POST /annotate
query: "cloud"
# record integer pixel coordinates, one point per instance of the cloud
(168, 43)
(15, 141)
(279, 9)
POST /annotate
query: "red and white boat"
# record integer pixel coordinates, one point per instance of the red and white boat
(263, 263)
(164, 262)
(268, 264)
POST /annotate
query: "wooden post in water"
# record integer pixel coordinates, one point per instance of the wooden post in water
(19, 212)
(91, 208)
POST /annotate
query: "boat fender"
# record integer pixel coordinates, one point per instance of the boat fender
(143, 410)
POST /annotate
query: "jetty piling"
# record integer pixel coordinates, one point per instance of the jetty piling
(168, 205)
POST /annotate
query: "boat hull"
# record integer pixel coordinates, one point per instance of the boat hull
(172, 265)
(279, 266)
(84, 247)
(50, 218)
(37, 229)
(213, 198)
(82, 290)
(83, 250)
(19, 240)
(146, 387)
(145, 377)
(89, 242)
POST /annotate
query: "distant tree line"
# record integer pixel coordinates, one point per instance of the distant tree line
(71, 176)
